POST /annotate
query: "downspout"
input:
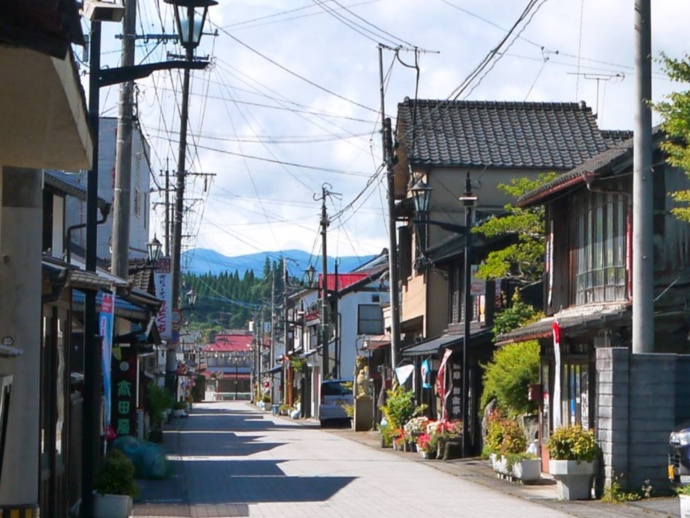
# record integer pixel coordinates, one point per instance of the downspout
(105, 212)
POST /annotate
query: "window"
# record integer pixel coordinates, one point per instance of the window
(599, 246)
(370, 319)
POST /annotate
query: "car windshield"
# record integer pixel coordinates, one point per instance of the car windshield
(337, 388)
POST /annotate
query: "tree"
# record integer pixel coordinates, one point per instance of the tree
(675, 111)
(523, 260)
(508, 375)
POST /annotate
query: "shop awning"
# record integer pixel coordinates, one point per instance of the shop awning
(431, 346)
(448, 341)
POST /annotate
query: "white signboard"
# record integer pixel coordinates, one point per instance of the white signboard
(163, 280)
(477, 286)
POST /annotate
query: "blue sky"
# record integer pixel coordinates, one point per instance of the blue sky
(292, 99)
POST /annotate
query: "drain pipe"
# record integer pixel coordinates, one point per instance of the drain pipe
(105, 212)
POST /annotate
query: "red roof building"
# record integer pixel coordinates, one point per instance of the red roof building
(231, 342)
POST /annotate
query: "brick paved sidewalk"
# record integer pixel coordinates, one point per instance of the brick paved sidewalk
(165, 498)
(480, 472)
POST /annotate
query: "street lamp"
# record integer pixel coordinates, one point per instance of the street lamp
(422, 194)
(190, 25)
(153, 250)
(189, 22)
(310, 274)
(191, 297)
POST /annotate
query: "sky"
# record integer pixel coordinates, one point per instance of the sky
(291, 100)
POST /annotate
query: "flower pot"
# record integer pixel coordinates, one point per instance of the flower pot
(527, 470)
(111, 506)
(424, 454)
(684, 506)
(574, 478)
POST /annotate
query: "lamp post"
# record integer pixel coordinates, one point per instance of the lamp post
(422, 197)
(190, 25)
(153, 250)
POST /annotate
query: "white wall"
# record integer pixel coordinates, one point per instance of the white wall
(141, 198)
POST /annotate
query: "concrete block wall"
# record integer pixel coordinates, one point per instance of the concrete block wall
(640, 398)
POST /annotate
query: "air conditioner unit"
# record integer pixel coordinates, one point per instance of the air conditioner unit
(103, 11)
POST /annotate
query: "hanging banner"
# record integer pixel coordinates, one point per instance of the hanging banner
(163, 282)
(105, 326)
(441, 382)
(557, 376)
(426, 374)
(403, 373)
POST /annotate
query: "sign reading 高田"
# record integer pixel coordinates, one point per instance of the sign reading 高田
(163, 281)
(124, 407)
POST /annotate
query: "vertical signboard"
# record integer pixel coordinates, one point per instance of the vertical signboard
(454, 395)
(163, 281)
(124, 408)
(105, 326)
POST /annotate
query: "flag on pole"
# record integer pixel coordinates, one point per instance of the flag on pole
(557, 421)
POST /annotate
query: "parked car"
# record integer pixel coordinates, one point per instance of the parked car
(679, 455)
(335, 395)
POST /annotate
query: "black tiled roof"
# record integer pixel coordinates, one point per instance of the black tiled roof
(541, 136)
(616, 137)
(606, 163)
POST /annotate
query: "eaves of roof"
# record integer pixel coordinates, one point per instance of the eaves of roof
(610, 162)
(573, 321)
(68, 184)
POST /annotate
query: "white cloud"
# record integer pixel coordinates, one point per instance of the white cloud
(265, 205)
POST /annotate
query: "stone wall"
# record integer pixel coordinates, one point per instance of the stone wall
(640, 399)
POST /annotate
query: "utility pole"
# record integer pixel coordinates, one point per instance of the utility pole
(388, 158)
(336, 322)
(287, 398)
(123, 154)
(324, 284)
(190, 24)
(643, 183)
(167, 209)
(272, 350)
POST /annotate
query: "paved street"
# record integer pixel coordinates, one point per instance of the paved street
(233, 460)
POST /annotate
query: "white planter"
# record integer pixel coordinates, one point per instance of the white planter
(684, 506)
(574, 478)
(528, 470)
(111, 506)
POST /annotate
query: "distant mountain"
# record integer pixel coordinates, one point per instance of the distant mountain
(202, 260)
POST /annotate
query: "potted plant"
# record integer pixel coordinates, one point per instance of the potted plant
(424, 446)
(684, 497)
(442, 432)
(574, 452)
(414, 428)
(114, 486)
(518, 464)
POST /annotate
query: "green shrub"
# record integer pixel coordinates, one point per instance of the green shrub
(116, 475)
(507, 376)
(504, 436)
(400, 407)
(573, 443)
(159, 400)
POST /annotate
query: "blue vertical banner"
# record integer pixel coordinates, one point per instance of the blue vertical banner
(105, 326)
(426, 374)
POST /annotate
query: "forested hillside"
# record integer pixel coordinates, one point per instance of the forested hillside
(231, 300)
